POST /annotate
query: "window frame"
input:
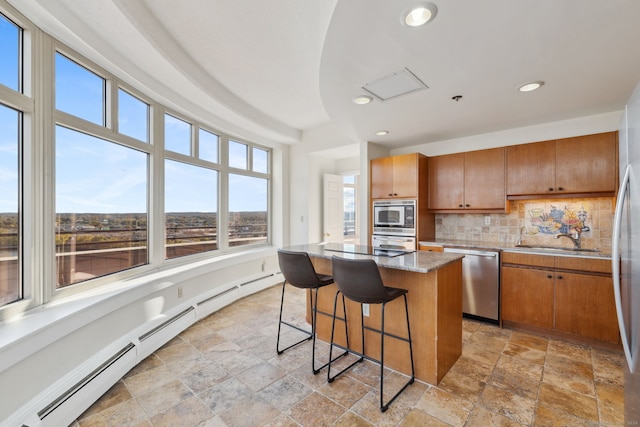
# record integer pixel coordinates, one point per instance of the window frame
(37, 202)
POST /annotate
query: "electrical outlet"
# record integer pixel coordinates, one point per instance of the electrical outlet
(487, 220)
(365, 310)
(179, 292)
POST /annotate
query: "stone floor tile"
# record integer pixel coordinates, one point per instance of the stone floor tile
(515, 381)
(576, 404)
(349, 419)
(114, 396)
(420, 418)
(547, 416)
(250, 412)
(285, 393)
(482, 417)
(261, 375)
(445, 406)
(345, 390)
(462, 385)
(534, 342)
(316, 410)
(570, 351)
(524, 353)
(125, 413)
(159, 399)
(610, 403)
(190, 412)
(517, 408)
(223, 396)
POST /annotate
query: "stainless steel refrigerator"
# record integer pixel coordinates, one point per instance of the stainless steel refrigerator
(625, 255)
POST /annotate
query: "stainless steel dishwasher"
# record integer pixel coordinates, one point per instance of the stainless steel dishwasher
(480, 283)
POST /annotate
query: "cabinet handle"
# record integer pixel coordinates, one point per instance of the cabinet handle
(460, 206)
(560, 277)
(390, 194)
(550, 189)
(560, 188)
(467, 205)
(549, 276)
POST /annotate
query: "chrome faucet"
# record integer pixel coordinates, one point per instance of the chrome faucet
(575, 238)
(519, 242)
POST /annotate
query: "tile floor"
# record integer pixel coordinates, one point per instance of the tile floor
(224, 371)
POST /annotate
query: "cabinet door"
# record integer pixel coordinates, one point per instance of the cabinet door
(382, 178)
(446, 182)
(584, 305)
(484, 184)
(527, 296)
(587, 164)
(531, 168)
(405, 176)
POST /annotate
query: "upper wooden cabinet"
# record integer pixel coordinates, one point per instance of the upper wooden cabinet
(583, 165)
(395, 177)
(473, 181)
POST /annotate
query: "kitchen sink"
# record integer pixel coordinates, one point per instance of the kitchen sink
(555, 248)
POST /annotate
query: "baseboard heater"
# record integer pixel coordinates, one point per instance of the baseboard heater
(216, 296)
(256, 280)
(83, 382)
(165, 324)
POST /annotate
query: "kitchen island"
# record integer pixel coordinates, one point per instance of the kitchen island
(434, 282)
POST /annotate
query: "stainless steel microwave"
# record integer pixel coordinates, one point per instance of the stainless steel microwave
(394, 217)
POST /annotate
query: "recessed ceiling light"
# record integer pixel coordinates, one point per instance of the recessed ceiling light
(420, 14)
(361, 100)
(530, 86)
(382, 132)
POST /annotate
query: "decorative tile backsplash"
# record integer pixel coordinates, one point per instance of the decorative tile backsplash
(541, 219)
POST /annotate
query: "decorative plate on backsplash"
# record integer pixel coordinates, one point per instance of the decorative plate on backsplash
(548, 218)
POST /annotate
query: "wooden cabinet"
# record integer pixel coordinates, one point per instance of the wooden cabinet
(583, 165)
(431, 248)
(473, 181)
(395, 177)
(584, 305)
(565, 295)
(403, 177)
(527, 296)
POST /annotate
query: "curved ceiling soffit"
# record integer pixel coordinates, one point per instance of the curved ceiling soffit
(171, 50)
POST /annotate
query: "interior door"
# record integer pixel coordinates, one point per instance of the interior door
(333, 208)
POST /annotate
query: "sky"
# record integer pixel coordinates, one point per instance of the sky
(94, 175)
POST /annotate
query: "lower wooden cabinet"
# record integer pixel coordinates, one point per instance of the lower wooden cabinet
(585, 306)
(527, 296)
(560, 294)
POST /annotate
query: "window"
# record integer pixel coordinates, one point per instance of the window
(208, 144)
(238, 155)
(350, 203)
(260, 160)
(10, 286)
(177, 135)
(79, 91)
(248, 213)
(101, 207)
(10, 35)
(133, 116)
(191, 211)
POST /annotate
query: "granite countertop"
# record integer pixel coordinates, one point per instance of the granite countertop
(511, 247)
(418, 261)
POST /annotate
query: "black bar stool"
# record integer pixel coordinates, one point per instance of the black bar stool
(298, 271)
(360, 281)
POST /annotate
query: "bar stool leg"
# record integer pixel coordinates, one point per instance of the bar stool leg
(384, 407)
(346, 331)
(280, 322)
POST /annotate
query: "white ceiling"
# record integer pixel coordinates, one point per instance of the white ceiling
(270, 70)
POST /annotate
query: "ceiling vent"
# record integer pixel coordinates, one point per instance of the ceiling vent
(399, 83)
